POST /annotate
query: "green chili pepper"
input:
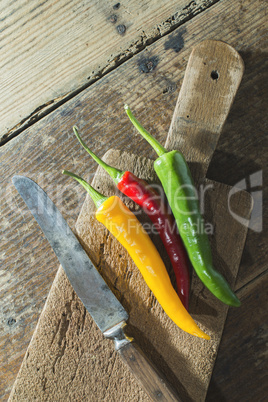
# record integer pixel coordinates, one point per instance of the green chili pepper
(176, 179)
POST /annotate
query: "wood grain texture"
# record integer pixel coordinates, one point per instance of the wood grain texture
(61, 46)
(28, 264)
(157, 387)
(250, 325)
(211, 81)
(185, 360)
(72, 348)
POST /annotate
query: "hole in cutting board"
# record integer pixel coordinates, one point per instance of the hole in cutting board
(214, 75)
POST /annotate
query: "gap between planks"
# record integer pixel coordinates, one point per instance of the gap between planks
(174, 22)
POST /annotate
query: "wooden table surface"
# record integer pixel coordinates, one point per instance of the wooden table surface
(56, 56)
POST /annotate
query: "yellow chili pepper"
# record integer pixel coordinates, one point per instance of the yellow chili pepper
(126, 228)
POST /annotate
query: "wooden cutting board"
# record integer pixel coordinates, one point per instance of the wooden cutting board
(68, 358)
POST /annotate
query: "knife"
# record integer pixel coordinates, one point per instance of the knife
(107, 312)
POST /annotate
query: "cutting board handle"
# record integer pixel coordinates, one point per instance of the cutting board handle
(212, 77)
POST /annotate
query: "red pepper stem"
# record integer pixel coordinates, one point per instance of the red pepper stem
(115, 174)
(148, 137)
(97, 197)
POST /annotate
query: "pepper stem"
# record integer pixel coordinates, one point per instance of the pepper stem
(148, 137)
(115, 174)
(97, 197)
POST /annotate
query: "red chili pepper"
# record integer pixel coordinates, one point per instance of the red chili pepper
(150, 201)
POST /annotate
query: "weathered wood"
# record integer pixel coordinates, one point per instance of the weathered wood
(157, 387)
(242, 151)
(185, 360)
(211, 81)
(28, 264)
(73, 341)
(226, 58)
(240, 373)
(50, 49)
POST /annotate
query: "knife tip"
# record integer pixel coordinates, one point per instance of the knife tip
(15, 178)
(19, 181)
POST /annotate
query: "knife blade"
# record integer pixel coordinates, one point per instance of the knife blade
(107, 312)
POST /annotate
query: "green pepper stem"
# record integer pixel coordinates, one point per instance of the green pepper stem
(97, 197)
(148, 137)
(115, 174)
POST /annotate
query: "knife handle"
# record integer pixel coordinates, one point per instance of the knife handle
(148, 376)
(143, 370)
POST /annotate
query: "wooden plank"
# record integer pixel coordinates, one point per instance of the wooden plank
(51, 48)
(186, 360)
(29, 266)
(249, 324)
